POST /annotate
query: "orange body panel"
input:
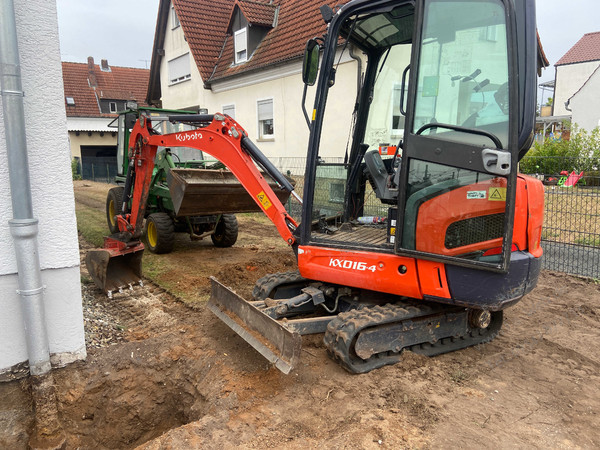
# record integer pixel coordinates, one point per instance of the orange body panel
(366, 270)
(437, 214)
(535, 211)
(432, 278)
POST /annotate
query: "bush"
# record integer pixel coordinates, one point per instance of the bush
(580, 153)
(75, 169)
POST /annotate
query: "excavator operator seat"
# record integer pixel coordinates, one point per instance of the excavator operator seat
(382, 181)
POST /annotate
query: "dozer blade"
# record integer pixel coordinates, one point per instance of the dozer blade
(270, 338)
(113, 268)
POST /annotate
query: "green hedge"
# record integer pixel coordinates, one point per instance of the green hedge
(582, 152)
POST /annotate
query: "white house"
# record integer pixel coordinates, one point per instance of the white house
(61, 319)
(584, 103)
(244, 58)
(573, 70)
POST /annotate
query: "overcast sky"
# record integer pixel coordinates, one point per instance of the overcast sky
(122, 31)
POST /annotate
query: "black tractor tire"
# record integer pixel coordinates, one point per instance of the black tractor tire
(114, 206)
(226, 231)
(159, 233)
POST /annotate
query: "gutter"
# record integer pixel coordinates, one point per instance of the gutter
(23, 226)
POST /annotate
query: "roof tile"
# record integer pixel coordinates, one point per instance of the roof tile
(586, 49)
(121, 83)
(205, 28)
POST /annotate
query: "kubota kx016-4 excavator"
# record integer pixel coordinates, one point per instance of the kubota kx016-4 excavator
(452, 83)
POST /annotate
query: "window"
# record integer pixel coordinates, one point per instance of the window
(240, 43)
(265, 119)
(179, 69)
(397, 117)
(174, 18)
(70, 101)
(113, 107)
(229, 110)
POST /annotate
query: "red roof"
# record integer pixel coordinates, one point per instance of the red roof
(586, 49)
(298, 21)
(120, 83)
(258, 13)
(205, 26)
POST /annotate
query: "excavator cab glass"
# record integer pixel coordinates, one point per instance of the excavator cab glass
(418, 156)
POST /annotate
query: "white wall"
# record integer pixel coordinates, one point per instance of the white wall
(569, 79)
(585, 104)
(52, 192)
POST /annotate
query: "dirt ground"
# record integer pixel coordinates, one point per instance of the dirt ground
(176, 377)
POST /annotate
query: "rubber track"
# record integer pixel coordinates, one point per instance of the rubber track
(265, 285)
(342, 331)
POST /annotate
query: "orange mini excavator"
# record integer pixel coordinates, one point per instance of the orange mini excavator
(449, 86)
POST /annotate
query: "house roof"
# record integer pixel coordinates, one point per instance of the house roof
(258, 13)
(120, 83)
(297, 21)
(205, 25)
(586, 49)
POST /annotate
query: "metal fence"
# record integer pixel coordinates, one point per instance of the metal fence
(571, 234)
(101, 169)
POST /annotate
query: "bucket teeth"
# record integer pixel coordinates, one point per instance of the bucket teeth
(114, 270)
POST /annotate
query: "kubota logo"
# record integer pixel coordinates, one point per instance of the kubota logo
(188, 137)
(351, 265)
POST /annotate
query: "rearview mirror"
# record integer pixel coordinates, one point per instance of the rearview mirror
(310, 64)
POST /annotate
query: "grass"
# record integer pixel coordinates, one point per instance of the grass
(589, 240)
(571, 213)
(91, 223)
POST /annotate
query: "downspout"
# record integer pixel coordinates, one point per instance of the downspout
(23, 226)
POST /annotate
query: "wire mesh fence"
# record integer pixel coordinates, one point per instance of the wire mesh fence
(571, 233)
(101, 169)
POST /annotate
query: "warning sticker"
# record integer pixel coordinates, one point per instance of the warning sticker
(476, 195)
(264, 200)
(497, 194)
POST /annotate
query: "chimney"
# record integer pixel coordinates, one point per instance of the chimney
(91, 73)
(104, 65)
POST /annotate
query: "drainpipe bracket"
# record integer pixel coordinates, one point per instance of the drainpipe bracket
(31, 292)
(18, 93)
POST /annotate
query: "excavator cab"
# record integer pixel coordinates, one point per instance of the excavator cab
(427, 149)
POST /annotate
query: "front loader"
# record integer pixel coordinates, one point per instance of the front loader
(419, 248)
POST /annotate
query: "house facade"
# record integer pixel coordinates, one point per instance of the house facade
(94, 93)
(53, 207)
(584, 103)
(244, 58)
(573, 70)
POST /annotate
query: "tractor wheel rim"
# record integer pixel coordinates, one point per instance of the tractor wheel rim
(111, 212)
(152, 234)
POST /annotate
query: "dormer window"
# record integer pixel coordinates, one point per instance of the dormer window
(241, 45)
(174, 18)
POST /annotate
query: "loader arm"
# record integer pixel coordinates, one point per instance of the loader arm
(223, 138)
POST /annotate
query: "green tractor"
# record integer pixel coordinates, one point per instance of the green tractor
(188, 194)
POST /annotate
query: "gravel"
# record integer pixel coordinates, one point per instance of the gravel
(101, 327)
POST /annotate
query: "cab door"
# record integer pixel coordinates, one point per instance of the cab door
(457, 195)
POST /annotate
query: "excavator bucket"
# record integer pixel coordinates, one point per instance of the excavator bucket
(197, 192)
(270, 338)
(116, 266)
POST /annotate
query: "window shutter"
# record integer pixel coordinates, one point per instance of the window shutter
(265, 109)
(179, 68)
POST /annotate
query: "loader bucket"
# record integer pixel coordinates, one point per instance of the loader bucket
(197, 192)
(112, 269)
(270, 338)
